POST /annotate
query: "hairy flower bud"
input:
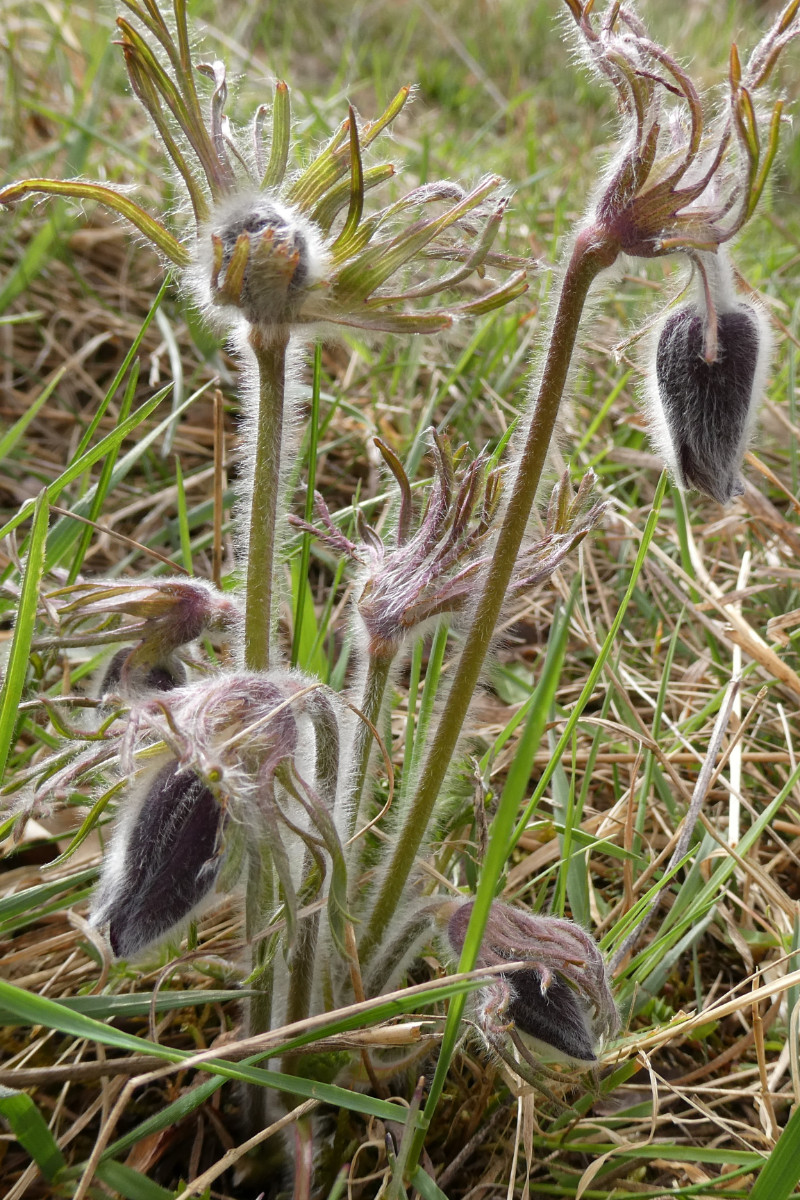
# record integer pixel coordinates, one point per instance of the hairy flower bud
(552, 1016)
(252, 775)
(560, 1002)
(163, 615)
(266, 258)
(131, 674)
(164, 861)
(710, 362)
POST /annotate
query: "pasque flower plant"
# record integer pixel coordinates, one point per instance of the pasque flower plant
(252, 778)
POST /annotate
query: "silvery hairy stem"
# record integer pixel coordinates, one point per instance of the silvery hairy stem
(591, 254)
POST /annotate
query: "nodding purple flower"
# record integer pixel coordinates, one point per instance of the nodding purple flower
(552, 1016)
(164, 862)
(131, 673)
(711, 359)
(560, 1000)
(252, 773)
(164, 616)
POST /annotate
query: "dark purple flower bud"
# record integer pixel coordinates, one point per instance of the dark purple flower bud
(706, 392)
(125, 673)
(561, 998)
(554, 1014)
(164, 863)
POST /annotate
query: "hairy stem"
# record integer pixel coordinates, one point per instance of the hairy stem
(259, 900)
(374, 690)
(271, 364)
(298, 1002)
(590, 255)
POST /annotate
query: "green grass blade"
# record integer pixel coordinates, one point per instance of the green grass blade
(304, 605)
(138, 1004)
(17, 669)
(31, 898)
(79, 465)
(30, 1129)
(426, 1186)
(38, 1010)
(307, 652)
(103, 483)
(183, 519)
(599, 663)
(10, 438)
(129, 358)
(497, 854)
(65, 532)
(129, 1183)
(38, 253)
(781, 1173)
(430, 689)
(519, 772)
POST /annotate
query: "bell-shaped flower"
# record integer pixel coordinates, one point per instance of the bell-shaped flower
(251, 773)
(560, 1001)
(287, 250)
(711, 359)
(164, 861)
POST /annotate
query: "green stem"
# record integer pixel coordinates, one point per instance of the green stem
(591, 254)
(298, 1001)
(271, 363)
(377, 679)
(259, 900)
(305, 553)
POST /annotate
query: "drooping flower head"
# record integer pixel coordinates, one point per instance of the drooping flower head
(209, 776)
(688, 177)
(283, 249)
(165, 615)
(711, 359)
(561, 1001)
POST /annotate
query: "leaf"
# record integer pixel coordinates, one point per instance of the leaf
(79, 465)
(30, 1129)
(129, 1183)
(17, 668)
(38, 1010)
(31, 898)
(138, 1004)
(782, 1170)
(10, 438)
(426, 1186)
(65, 531)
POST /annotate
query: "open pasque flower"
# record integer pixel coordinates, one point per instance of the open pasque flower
(286, 250)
